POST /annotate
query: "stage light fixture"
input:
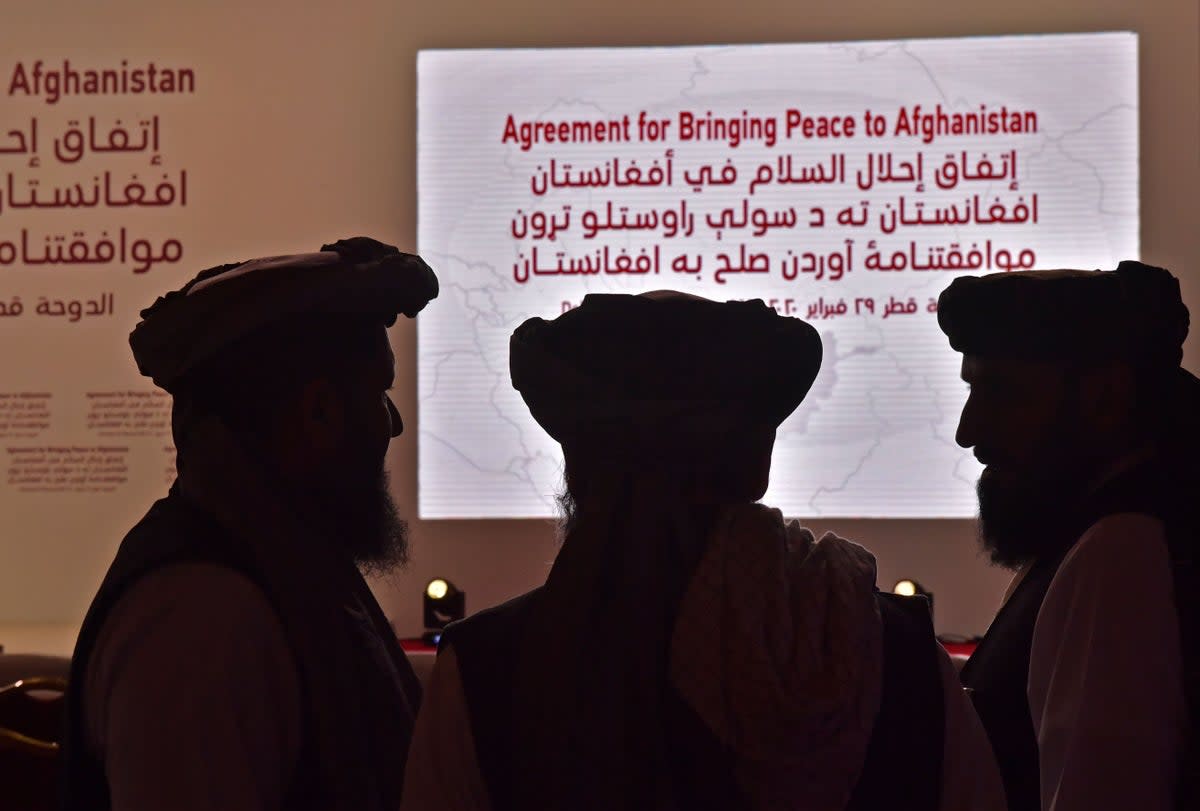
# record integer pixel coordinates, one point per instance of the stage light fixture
(443, 603)
(437, 589)
(912, 588)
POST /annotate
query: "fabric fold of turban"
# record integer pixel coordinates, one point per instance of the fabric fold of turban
(1134, 312)
(349, 278)
(629, 360)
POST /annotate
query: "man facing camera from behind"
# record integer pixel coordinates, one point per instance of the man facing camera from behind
(234, 657)
(1086, 425)
(690, 649)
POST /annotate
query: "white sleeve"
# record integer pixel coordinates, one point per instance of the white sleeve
(442, 771)
(970, 778)
(191, 695)
(1105, 673)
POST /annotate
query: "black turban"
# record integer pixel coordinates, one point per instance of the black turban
(620, 359)
(357, 277)
(1133, 313)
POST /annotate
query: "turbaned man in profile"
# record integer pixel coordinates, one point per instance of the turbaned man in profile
(234, 657)
(1087, 680)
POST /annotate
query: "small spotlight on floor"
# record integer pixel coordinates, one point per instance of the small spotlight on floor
(911, 588)
(437, 589)
(444, 603)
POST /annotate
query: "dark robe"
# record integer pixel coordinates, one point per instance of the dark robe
(903, 767)
(998, 671)
(359, 694)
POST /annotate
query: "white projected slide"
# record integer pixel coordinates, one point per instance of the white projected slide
(846, 184)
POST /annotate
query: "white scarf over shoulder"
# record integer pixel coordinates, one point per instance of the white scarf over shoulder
(778, 647)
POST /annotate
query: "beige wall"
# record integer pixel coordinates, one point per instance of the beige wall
(306, 116)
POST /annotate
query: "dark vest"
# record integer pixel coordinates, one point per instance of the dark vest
(903, 767)
(175, 532)
(998, 671)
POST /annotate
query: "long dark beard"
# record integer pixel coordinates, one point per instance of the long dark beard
(359, 515)
(385, 546)
(1031, 511)
(1019, 524)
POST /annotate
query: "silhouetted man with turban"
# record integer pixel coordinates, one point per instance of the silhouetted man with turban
(1086, 680)
(690, 649)
(234, 657)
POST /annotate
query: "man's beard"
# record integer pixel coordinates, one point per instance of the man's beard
(1017, 524)
(1032, 513)
(360, 516)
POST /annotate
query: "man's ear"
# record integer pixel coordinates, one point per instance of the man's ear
(1108, 393)
(321, 417)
